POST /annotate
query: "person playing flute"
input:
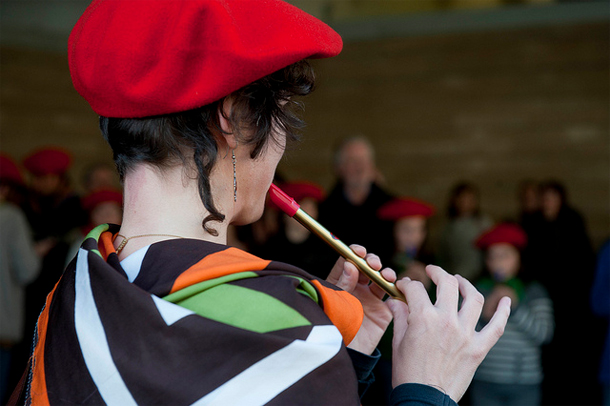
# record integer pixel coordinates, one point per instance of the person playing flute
(197, 100)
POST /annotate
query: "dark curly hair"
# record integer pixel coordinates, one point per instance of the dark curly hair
(259, 108)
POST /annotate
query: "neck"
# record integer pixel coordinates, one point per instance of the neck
(165, 202)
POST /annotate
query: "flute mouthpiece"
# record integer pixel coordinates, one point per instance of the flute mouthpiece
(283, 201)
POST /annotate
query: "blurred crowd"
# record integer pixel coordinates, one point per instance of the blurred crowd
(42, 223)
(542, 257)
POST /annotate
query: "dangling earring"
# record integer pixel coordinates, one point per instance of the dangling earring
(234, 178)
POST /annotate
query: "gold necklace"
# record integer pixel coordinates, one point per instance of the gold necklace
(126, 239)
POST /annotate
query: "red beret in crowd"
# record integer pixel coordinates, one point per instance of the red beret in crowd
(503, 233)
(9, 171)
(94, 199)
(404, 207)
(48, 161)
(301, 190)
(133, 59)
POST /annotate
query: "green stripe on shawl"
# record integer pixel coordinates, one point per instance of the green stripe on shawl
(238, 306)
(307, 289)
(95, 234)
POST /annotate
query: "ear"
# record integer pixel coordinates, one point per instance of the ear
(224, 111)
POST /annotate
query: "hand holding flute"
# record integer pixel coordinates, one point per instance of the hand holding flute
(434, 344)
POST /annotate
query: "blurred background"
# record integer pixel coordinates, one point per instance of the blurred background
(487, 91)
(496, 93)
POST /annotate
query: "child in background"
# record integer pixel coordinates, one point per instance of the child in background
(104, 206)
(511, 374)
(456, 251)
(295, 244)
(19, 265)
(410, 229)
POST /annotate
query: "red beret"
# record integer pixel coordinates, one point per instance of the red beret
(301, 190)
(404, 207)
(503, 233)
(9, 170)
(90, 201)
(48, 161)
(133, 59)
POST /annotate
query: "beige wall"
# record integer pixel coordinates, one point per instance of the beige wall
(39, 107)
(491, 107)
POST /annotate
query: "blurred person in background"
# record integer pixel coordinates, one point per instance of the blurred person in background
(561, 257)
(54, 207)
(19, 265)
(99, 176)
(105, 206)
(512, 374)
(55, 214)
(456, 250)
(294, 243)
(410, 229)
(530, 202)
(350, 210)
(600, 303)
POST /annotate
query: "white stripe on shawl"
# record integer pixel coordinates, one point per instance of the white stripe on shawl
(272, 375)
(133, 263)
(92, 339)
(170, 312)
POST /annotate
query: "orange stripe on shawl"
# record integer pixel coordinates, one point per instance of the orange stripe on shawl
(38, 387)
(343, 309)
(227, 262)
(106, 244)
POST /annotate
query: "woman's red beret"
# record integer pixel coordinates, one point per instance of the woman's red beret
(132, 59)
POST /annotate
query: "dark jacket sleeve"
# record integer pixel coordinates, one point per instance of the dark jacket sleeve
(363, 365)
(415, 394)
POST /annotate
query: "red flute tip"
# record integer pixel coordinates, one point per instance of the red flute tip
(283, 201)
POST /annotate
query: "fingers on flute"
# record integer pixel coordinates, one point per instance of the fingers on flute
(400, 313)
(415, 293)
(388, 274)
(350, 271)
(346, 278)
(373, 261)
(359, 250)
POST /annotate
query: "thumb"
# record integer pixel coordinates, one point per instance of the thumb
(348, 279)
(335, 273)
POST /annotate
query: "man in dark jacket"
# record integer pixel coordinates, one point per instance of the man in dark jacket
(350, 211)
